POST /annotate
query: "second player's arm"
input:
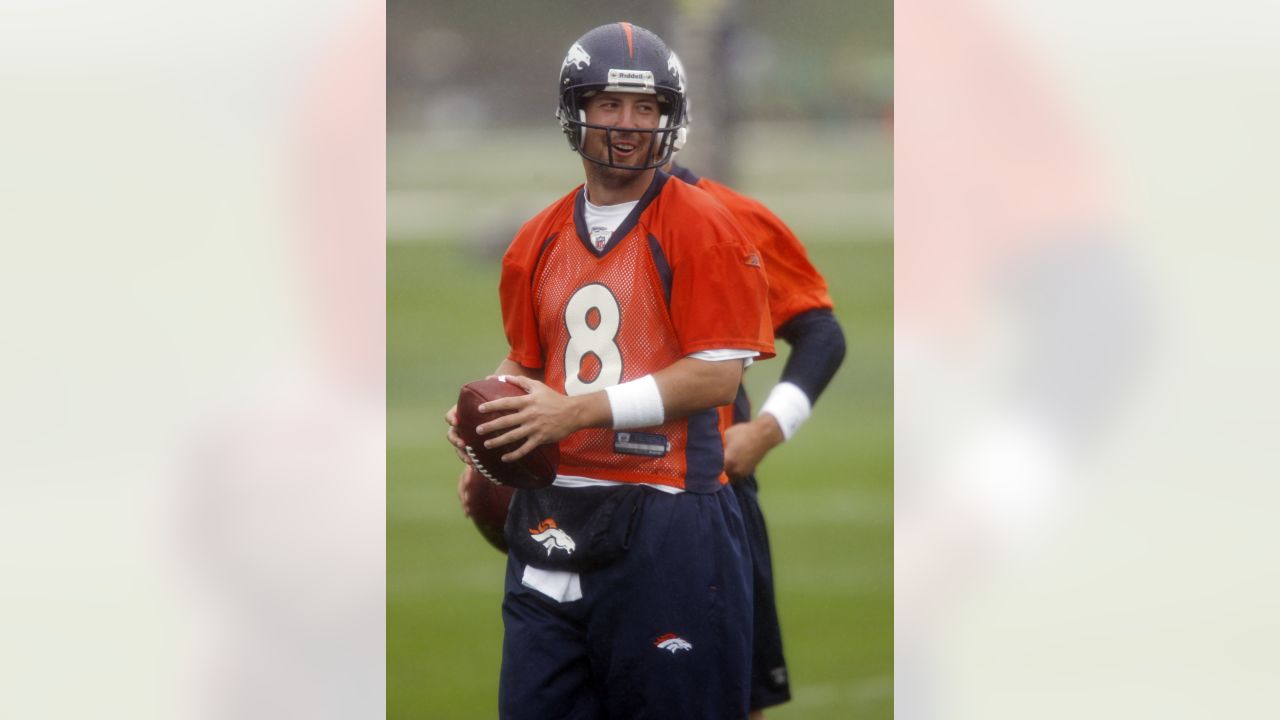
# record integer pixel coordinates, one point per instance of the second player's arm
(686, 386)
(817, 350)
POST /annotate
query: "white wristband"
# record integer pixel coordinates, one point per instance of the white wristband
(788, 404)
(636, 404)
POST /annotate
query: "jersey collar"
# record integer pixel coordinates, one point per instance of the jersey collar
(626, 226)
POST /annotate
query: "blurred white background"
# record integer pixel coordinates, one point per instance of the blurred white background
(192, 474)
(1083, 400)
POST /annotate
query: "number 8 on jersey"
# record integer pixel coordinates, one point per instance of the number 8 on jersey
(592, 358)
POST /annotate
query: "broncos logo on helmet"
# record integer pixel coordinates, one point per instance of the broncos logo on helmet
(577, 57)
(677, 69)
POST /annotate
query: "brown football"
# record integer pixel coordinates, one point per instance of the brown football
(535, 470)
(489, 504)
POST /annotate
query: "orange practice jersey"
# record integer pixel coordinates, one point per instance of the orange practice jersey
(678, 276)
(795, 286)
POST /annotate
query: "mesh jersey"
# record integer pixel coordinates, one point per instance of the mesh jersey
(795, 285)
(676, 277)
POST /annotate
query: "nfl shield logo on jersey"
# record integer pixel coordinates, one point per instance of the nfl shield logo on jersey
(599, 236)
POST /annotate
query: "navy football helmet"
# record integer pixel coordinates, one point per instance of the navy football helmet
(621, 57)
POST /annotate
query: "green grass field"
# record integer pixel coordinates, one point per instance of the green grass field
(827, 494)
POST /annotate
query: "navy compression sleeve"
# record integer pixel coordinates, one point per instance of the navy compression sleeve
(817, 349)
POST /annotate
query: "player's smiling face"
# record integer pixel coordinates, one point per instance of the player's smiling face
(622, 110)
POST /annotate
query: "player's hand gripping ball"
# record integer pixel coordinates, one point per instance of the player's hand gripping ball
(535, 470)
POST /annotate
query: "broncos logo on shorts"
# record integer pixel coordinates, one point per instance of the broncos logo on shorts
(672, 642)
(552, 537)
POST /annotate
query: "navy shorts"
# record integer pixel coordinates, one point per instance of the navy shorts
(663, 632)
(769, 682)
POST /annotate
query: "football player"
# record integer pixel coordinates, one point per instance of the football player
(801, 312)
(631, 306)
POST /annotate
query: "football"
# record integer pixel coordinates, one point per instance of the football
(489, 503)
(535, 470)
